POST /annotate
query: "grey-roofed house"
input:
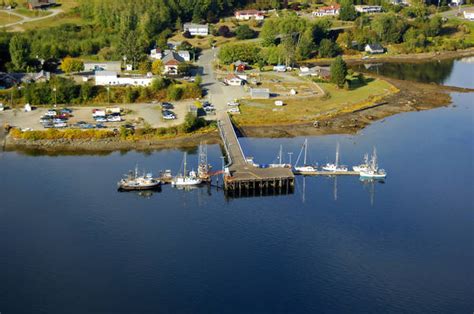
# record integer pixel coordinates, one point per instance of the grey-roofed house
(374, 48)
(171, 62)
(259, 93)
(40, 4)
(196, 29)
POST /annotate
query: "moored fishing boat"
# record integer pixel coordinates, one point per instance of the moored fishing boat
(305, 168)
(186, 179)
(373, 170)
(133, 181)
(364, 166)
(335, 167)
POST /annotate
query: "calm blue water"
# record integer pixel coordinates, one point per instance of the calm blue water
(70, 243)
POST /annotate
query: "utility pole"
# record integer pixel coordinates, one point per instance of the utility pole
(55, 96)
(108, 95)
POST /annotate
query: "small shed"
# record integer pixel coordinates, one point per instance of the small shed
(260, 93)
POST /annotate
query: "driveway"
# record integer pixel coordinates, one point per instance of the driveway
(26, 19)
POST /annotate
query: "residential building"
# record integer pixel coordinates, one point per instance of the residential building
(374, 48)
(185, 55)
(110, 78)
(156, 54)
(233, 80)
(259, 93)
(246, 15)
(240, 66)
(115, 66)
(400, 2)
(456, 3)
(171, 62)
(332, 10)
(40, 4)
(469, 14)
(368, 8)
(196, 29)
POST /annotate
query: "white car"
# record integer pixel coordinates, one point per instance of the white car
(169, 117)
(232, 103)
(100, 119)
(114, 119)
(60, 125)
(234, 110)
(51, 113)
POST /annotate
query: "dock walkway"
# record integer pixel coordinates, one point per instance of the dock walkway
(241, 175)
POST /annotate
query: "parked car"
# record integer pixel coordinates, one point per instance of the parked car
(168, 115)
(100, 126)
(87, 126)
(66, 110)
(234, 110)
(112, 118)
(46, 119)
(167, 105)
(51, 113)
(59, 125)
(48, 125)
(232, 103)
(100, 119)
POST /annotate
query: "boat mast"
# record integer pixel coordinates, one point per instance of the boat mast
(374, 159)
(337, 154)
(184, 174)
(305, 151)
(281, 153)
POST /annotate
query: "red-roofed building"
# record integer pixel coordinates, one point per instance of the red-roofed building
(332, 10)
(249, 14)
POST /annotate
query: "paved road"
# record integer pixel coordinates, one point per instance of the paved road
(26, 19)
(217, 93)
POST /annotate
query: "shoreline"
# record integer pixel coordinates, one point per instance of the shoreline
(412, 96)
(405, 58)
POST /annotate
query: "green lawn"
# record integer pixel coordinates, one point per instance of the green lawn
(6, 18)
(31, 13)
(303, 110)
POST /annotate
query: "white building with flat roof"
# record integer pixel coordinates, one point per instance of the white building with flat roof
(368, 8)
(469, 14)
(196, 29)
(110, 78)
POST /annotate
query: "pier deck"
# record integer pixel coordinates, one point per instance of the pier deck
(242, 175)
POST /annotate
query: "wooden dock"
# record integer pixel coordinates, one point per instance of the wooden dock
(328, 173)
(241, 176)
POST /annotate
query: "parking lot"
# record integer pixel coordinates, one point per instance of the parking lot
(135, 114)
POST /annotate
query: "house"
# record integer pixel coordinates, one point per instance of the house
(456, 3)
(469, 14)
(374, 48)
(40, 4)
(171, 62)
(185, 55)
(240, 66)
(259, 93)
(233, 80)
(400, 2)
(115, 66)
(322, 72)
(368, 8)
(110, 78)
(246, 15)
(156, 54)
(332, 10)
(196, 29)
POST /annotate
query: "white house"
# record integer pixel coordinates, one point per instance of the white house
(368, 8)
(110, 78)
(469, 14)
(332, 10)
(196, 29)
(156, 54)
(456, 2)
(233, 80)
(171, 62)
(246, 15)
(374, 48)
(185, 55)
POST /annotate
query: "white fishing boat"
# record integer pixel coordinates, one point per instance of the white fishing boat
(280, 163)
(186, 179)
(305, 168)
(335, 167)
(364, 166)
(134, 181)
(373, 170)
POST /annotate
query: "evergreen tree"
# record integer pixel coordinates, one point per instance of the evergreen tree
(347, 11)
(19, 52)
(338, 71)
